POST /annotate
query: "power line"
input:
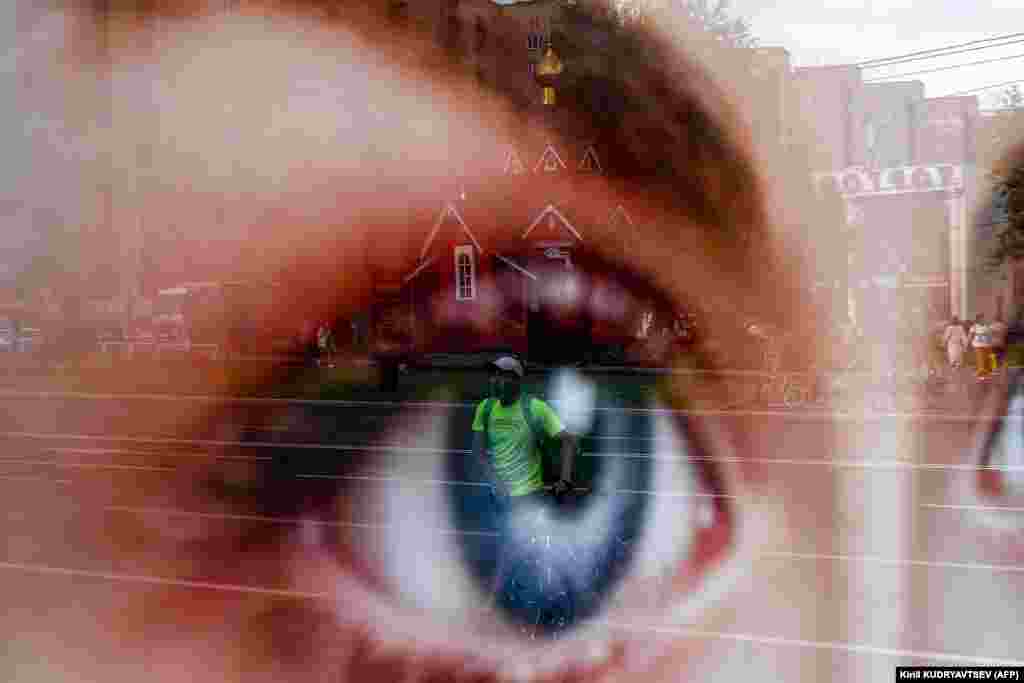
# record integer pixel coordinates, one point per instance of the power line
(947, 52)
(945, 68)
(881, 60)
(984, 87)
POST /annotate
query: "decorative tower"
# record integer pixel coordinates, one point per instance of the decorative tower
(549, 69)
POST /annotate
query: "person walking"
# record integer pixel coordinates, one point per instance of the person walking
(954, 340)
(981, 341)
(325, 342)
(509, 431)
(308, 342)
(502, 429)
(1000, 330)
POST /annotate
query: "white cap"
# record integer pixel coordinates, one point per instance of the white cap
(509, 364)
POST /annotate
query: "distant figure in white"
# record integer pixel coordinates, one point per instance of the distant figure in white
(325, 342)
(955, 341)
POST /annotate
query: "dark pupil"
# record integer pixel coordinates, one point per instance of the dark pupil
(550, 583)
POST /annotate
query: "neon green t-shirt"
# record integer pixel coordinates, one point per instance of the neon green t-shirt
(516, 458)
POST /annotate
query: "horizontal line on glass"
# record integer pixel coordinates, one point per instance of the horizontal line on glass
(827, 462)
(853, 648)
(172, 512)
(897, 562)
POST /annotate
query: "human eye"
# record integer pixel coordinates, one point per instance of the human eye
(433, 568)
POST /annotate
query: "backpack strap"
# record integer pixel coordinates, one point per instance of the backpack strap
(488, 409)
(548, 447)
(536, 430)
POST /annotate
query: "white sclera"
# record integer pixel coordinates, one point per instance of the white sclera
(418, 559)
(672, 512)
(575, 399)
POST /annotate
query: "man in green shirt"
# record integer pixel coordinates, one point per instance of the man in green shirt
(508, 446)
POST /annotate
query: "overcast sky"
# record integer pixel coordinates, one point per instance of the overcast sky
(845, 31)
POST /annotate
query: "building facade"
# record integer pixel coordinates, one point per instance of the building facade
(906, 168)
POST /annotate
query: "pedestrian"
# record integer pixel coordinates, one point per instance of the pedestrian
(503, 429)
(1000, 331)
(954, 340)
(981, 341)
(358, 324)
(308, 343)
(325, 343)
(510, 431)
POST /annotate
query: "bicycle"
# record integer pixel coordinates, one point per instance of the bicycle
(791, 389)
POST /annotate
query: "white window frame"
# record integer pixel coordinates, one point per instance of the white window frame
(465, 250)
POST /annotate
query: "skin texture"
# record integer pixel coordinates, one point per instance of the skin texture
(857, 550)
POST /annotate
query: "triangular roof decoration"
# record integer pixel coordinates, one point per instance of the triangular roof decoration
(551, 213)
(549, 161)
(619, 217)
(449, 210)
(513, 164)
(419, 269)
(515, 266)
(590, 163)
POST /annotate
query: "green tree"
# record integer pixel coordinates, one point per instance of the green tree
(1007, 211)
(715, 16)
(1012, 97)
(1000, 135)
